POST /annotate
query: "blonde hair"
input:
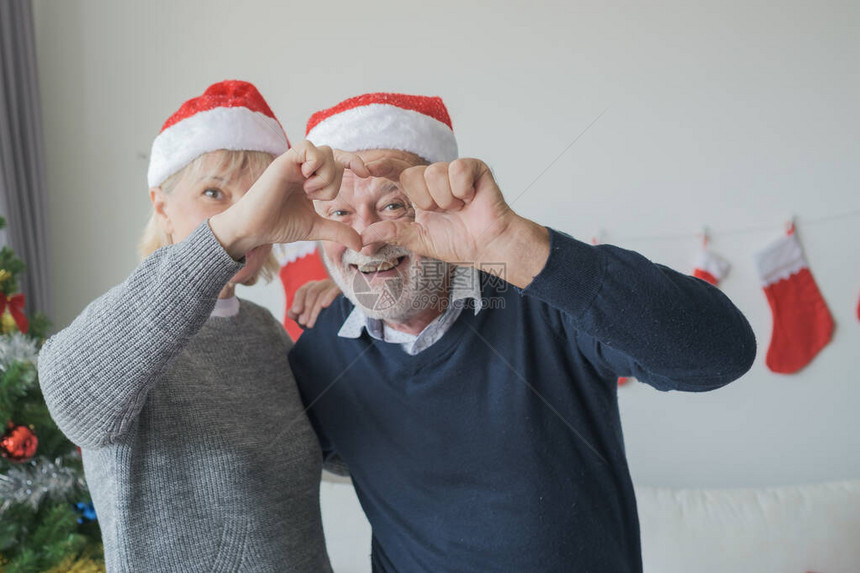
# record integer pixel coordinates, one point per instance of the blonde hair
(229, 161)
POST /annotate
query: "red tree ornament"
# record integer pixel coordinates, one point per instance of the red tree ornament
(18, 444)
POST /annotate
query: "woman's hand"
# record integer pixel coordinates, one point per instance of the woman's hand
(310, 299)
(278, 208)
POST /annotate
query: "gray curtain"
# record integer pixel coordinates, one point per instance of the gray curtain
(22, 175)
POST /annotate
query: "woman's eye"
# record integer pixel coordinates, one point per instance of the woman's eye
(213, 193)
(339, 213)
(393, 207)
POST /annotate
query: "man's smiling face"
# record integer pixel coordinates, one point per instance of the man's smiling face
(386, 281)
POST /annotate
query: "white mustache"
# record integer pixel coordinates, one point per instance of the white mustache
(387, 254)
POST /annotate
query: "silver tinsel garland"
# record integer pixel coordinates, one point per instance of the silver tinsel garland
(17, 347)
(40, 478)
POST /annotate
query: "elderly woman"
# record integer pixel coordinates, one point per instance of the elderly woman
(195, 444)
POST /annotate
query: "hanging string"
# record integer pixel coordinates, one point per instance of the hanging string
(736, 231)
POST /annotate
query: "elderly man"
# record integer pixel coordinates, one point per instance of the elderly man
(468, 376)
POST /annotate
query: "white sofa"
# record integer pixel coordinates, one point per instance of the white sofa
(813, 528)
(770, 530)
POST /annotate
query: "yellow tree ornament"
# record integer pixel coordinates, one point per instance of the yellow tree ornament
(7, 323)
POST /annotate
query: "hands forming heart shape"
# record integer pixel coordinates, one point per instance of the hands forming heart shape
(460, 213)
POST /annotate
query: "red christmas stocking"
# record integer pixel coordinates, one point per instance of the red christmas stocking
(300, 263)
(802, 324)
(710, 267)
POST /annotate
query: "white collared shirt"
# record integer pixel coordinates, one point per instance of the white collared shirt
(465, 286)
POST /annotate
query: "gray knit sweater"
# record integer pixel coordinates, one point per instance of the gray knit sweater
(196, 448)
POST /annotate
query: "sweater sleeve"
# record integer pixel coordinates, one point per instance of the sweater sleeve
(632, 317)
(96, 373)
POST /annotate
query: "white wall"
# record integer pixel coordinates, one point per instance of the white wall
(730, 114)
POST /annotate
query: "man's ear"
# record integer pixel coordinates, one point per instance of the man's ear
(159, 205)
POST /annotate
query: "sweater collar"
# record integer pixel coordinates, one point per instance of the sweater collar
(226, 307)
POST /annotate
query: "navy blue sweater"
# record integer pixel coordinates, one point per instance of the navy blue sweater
(499, 448)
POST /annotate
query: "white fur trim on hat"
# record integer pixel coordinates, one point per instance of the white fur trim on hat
(384, 126)
(233, 128)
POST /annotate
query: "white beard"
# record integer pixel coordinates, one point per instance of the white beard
(421, 285)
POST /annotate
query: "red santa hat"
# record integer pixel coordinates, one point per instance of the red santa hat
(418, 124)
(229, 115)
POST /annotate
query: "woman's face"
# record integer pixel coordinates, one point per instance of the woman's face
(199, 195)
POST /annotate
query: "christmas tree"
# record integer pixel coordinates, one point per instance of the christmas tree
(46, 518)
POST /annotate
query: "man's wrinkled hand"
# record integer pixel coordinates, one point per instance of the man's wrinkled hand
(310, 299)
(459, 209)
